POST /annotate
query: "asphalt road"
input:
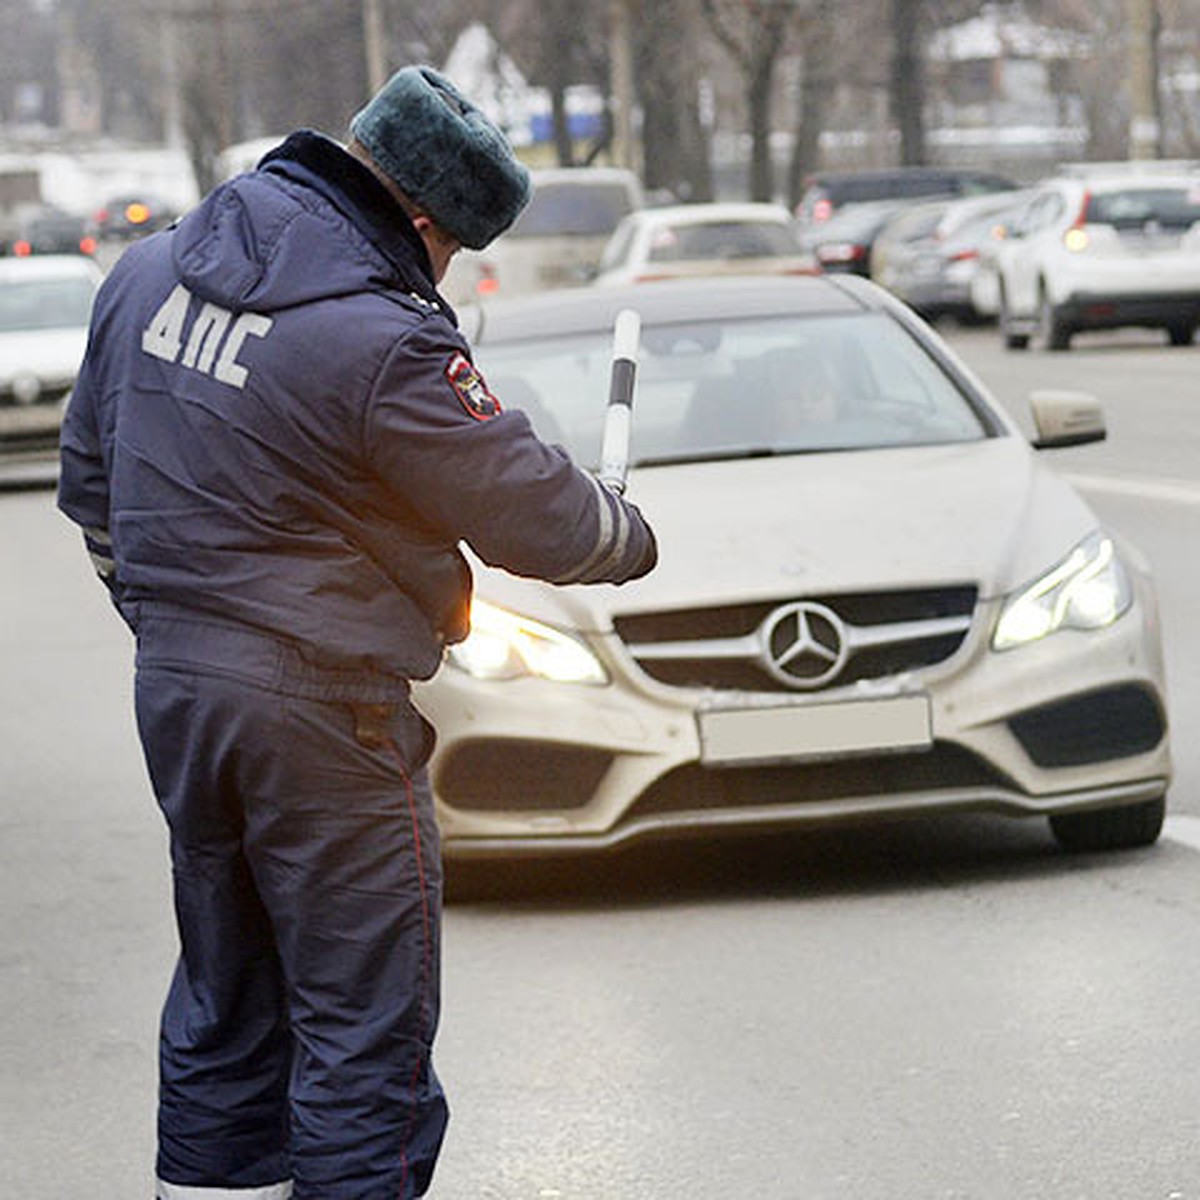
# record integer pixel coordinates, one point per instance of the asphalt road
(924, 1010)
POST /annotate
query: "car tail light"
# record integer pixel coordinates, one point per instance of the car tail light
(22, 249)
(841, 252)
(137, 214)
(487, 284)
(1076, 238)
(964, 255)
(87, 245)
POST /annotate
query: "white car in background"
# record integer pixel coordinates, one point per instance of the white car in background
(678, 241)
(1103, 247)
(45, 306)
(556, 242)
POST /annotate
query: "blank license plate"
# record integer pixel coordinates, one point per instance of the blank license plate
(743, 735)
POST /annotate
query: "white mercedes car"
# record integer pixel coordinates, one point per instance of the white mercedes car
(874, 596)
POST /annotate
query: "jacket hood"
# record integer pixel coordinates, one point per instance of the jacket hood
(310, 223)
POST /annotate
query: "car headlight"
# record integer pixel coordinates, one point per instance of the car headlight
(1087, 590)
(505, 645)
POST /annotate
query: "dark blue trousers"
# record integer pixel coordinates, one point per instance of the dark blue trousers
(297, 1034)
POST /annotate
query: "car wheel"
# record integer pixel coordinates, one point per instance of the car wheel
(1053, 332)
(1181, 333)
(1012, 341)
(1121, 828)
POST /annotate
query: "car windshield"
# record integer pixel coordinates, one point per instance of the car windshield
(45, 304)
(573, 209)
(1170, 207)
(1176, 208)
(736, 389)
(722, 239)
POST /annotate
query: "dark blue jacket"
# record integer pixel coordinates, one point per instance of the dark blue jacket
(278, 424)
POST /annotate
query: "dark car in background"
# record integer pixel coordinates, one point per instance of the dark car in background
(133, 215)
(828, 191)
(842, 245)
(44, 229)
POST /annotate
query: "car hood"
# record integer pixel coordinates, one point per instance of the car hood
(50, 354)
(986, 513)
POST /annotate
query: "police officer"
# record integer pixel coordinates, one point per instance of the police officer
(277, 442)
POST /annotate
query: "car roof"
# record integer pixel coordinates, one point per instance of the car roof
(48, 266)
(1129, 182)
(583, 310)
(699, 214)
(582, 175)
(886, 174)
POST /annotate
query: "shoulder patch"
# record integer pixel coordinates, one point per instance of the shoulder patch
(470, 388)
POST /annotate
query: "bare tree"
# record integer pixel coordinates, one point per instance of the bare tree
(670, 61)
(817, 63)
(754, 33)
(907, 21)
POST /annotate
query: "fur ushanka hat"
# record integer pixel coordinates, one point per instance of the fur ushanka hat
(444, 154)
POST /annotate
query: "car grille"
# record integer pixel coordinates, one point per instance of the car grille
(757, 647)
(696, 788)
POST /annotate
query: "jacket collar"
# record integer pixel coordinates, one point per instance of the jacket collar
(349, 185)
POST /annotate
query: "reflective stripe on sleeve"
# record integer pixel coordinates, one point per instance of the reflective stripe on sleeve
(181, 1191)
(612, 540)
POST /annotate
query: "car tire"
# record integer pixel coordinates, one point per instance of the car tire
(1181, 333)
(1053, 332)
(1122, 828)
(1012, 341)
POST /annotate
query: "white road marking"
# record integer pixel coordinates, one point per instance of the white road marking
(1185, 830)
(1174, 491)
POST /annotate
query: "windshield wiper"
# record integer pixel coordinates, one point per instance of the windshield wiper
(728, 453)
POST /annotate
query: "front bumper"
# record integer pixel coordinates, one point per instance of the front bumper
(1089, 310)
(527, 767)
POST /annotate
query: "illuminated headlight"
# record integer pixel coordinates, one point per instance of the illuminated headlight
(504, 645)
(1087, 590)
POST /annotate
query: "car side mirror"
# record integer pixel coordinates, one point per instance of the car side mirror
(1064, 418)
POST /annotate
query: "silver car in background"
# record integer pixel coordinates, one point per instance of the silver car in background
(874, 596)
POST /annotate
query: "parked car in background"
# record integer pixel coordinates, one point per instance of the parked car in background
(1102, 247)
(556, 242)
(133, 215)
(704, 239)
(827, 191)
(45, 305)
(873, 597)
(44, 229)
(929, 255)
(842, 244)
